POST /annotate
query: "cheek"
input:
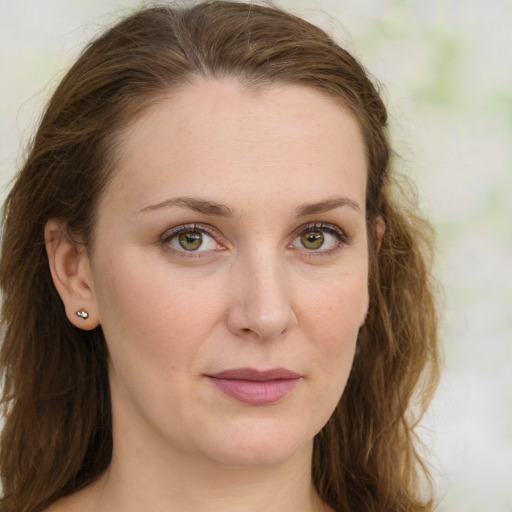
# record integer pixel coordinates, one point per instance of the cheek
(333, 318)
(340, 305)
(330, 320)
(151, 314)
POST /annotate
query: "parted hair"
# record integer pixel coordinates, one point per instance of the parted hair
(57, 433)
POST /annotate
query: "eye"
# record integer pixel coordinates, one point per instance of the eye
(191, 239)
(312, 239)
(321, 238)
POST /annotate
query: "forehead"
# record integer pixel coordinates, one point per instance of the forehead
(220, 132)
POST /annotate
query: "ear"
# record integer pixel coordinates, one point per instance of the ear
(380, 229)
(70, 270)
(366, 308)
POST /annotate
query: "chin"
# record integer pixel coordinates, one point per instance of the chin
(261, 445)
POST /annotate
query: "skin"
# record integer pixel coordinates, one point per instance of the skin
(253, 295)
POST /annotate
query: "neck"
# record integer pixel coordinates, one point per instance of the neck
(175, 482)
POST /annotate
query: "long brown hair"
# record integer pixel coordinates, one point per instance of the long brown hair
(57, 436)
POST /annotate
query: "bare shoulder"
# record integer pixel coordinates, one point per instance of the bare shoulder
(63, 505)
(58, 506)
(74, 503)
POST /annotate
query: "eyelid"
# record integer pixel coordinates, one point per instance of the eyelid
(215, 234)
(192, 226)
(332, 229)
(206, 229)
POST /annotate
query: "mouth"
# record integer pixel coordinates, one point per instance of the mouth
(256, 387)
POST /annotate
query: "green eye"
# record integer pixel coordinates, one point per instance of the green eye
(190, 240)
(321, 238)
(312, 240)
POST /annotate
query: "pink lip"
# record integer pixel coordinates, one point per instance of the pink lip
(256, 387)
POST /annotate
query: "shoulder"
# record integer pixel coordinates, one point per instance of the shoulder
(61, 505)
(72, 503)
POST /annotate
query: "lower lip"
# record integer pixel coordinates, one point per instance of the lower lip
(255, 392)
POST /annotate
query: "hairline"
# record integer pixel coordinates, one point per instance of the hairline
(252, 83)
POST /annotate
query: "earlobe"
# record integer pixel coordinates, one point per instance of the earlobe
(380, 229)
(70, 270)
(365, 311)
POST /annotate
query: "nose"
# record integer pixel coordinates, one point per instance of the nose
(261, 305)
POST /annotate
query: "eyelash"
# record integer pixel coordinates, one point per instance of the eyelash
(187, 228)
(340, 235)
(331, 229)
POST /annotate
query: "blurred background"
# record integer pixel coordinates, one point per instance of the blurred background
(446, 70)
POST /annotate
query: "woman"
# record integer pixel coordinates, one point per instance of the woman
(212, 300)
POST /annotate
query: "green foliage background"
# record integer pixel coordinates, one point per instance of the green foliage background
(446, 66)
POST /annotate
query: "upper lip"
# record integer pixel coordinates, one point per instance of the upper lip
(255, 375)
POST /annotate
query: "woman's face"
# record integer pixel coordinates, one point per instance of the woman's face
(229, 271)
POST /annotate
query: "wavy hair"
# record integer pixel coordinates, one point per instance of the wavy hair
(57, 434)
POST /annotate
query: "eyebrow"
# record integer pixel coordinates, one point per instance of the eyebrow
(196, 204)
(207, 207)
(325, 206)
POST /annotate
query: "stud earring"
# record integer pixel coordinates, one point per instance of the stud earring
(81, 313)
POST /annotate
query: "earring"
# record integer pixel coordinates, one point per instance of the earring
(81, 313)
